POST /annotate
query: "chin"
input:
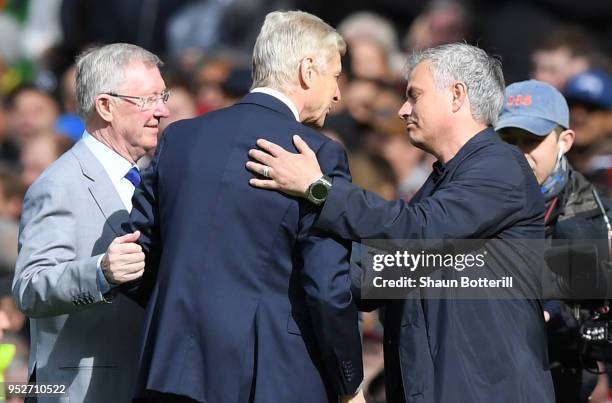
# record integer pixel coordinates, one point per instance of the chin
(149, 143)
(315, 124)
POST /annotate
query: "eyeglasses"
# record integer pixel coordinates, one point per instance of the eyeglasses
(145, 103)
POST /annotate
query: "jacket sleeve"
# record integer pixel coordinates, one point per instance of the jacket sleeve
(49, 280)
(471, 206)
(327, 285)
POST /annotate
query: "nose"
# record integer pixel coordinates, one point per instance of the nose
(162, 110)
(405, 111)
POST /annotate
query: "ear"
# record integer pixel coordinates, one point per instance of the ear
(307, 72)
(104, 107)
(459, 94)
(566, 139)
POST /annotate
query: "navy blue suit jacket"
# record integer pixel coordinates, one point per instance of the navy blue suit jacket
(247, 301)
(445, 350)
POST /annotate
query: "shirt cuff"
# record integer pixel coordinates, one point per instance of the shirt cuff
(359, 389)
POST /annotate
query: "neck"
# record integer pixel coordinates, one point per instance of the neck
(296, 97)
(106, 135)
(298, 101)
(450, 146)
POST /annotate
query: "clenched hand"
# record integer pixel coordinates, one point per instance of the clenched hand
(124, 260)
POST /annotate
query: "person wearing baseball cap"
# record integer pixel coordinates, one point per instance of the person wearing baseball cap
(535, 117)
(589, 96)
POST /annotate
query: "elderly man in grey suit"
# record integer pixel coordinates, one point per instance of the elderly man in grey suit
(71, 255)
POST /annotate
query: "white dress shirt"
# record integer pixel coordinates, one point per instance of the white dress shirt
(115, 166)
(281, 97)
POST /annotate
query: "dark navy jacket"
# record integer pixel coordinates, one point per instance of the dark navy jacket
(460, 351)
(250, 303)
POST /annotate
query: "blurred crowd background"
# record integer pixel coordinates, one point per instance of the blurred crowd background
(206, 46)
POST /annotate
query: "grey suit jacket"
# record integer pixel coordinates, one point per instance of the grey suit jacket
(70, 216)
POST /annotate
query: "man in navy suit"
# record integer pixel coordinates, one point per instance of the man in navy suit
(444, 350)
(246, 301)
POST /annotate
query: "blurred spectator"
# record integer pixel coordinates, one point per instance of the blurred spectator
(411, 165)
(13, 348)
(360, 96)
(69, 123)
(41, 28)
(236, 85)
(10, 318)
(40, 152)
(384, 117)
(511, 29)
(31, 112)
(372, 41)
(10, 51)
(444, 21)
(209, 78)
(213, 25)
(370, 25)
(9, 152)
(369, 59)
(374, 174)
(68, 90)
(12, 191)
(140, 22)
(567, 52)
(11, 197)
(589, 96)
(353, 123)
(182, 104)
(383, 122)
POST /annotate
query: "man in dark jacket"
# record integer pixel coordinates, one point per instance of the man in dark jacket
(535, 117)
(250, 303)
(443, 350)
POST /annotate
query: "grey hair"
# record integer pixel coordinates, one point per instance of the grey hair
(481, 73)
(102, 69)
(285, 39)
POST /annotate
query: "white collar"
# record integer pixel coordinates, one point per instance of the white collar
(115, 165)
(281, 97)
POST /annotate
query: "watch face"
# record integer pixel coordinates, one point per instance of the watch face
(319, 191)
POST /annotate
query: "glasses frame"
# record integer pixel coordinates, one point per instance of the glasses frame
(143, 101)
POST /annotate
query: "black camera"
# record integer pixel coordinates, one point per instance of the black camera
(583, 281)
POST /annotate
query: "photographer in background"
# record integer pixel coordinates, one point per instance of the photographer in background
(535, 118)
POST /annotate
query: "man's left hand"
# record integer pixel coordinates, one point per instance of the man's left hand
(287, 172)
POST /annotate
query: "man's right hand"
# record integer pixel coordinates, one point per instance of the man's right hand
(356, 398)
(124, 260)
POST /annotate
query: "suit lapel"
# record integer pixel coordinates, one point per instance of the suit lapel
(101, 188)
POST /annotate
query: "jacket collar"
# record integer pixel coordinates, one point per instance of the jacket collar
(101, 188)
(485, 136)
(267, 101)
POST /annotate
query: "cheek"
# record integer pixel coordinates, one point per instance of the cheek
(545, 163)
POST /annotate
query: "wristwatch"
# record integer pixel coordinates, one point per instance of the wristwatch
(318, 190)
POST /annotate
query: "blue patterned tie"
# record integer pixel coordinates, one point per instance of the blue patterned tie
(133, 176)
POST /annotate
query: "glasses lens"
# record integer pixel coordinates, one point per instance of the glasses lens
(150, 102)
